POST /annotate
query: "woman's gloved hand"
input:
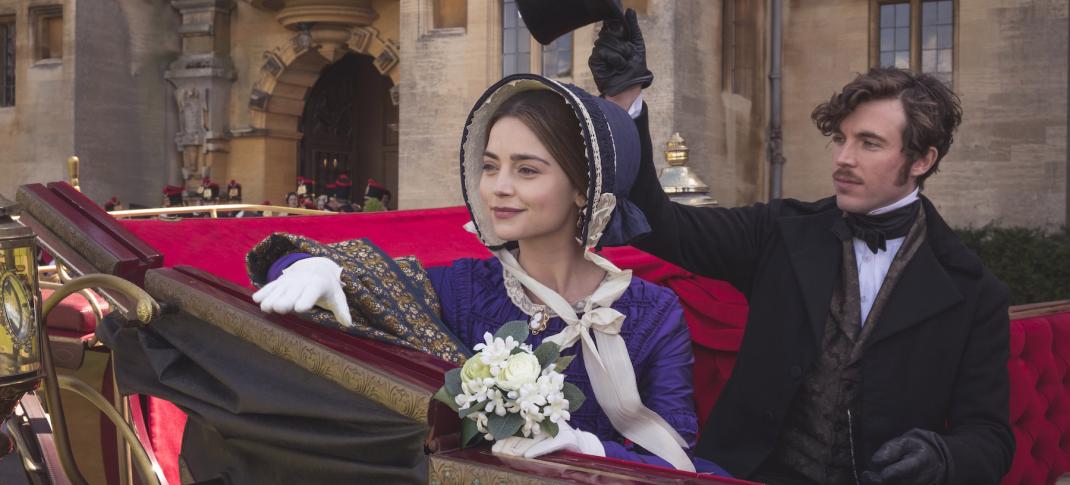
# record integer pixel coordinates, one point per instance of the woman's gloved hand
(567, 439)
(310, 281)
(618, 60)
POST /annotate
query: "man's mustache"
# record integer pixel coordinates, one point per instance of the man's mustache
(847, 176)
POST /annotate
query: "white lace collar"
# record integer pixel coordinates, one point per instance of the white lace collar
(538, 314)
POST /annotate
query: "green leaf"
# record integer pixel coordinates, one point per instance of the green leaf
(502, 427)
(518, 329)
(446, 398)
(549, 427)
(547, 353)
(472, 409)
(453, 382)
(574, 395)
(469, 433)
(562, 363)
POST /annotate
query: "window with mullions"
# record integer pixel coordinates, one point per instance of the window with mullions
(895, 35)
(554, 60)
(916, 34)
(557, 57)
(7, 61)
(516, 41)
(936, 39)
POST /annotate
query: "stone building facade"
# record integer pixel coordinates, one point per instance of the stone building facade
(165, 91)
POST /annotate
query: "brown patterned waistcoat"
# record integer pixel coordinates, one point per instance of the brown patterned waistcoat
(817, 440)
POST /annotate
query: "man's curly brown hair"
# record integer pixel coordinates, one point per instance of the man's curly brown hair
(933, 111)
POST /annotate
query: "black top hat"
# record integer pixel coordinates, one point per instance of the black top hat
(549, 19)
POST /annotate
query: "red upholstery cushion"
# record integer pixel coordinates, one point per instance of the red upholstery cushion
(1040, 398)
(74, 313)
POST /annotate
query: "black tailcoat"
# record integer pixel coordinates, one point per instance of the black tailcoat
(937, 359)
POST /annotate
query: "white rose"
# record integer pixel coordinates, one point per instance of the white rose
(520, 369)
(474, 370)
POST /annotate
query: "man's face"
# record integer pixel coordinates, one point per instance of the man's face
(868, 154)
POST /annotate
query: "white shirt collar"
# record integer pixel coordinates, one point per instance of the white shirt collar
(910, 198)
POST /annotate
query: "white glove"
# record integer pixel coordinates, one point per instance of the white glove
(567, 439)
(310, 281)
(515, 446)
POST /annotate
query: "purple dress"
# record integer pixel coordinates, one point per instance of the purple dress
(473, 298)
(474, 301)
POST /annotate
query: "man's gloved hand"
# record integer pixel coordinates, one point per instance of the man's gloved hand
(308, 282)
(915, 458)
(567, 439)
(618, 60)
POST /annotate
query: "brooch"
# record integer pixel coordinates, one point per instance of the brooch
(538, 322)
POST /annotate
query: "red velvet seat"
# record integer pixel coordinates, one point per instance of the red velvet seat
(74, 313)
(1040, 398)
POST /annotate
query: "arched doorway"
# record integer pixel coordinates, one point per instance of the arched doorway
(350, 125)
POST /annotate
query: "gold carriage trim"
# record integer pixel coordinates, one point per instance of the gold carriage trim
(446, 470)
(387, 389)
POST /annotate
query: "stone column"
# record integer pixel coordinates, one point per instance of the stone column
(202, 76)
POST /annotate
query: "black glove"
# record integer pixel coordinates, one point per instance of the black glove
(618, 60)
(918, 457)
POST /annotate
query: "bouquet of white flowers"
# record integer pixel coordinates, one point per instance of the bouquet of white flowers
(507, 389)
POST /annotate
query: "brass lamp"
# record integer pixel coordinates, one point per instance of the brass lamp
(679, 182)
(72, 172)
(20, 350)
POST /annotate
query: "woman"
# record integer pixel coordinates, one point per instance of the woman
(542, 166)
(293, 200)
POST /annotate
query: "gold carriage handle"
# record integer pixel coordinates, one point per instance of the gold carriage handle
(146, 310)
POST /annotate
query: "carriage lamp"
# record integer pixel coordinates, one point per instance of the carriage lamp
(72, 172)
(679, 182)
(20, 351)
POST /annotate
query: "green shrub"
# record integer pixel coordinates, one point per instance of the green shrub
(1034, 263)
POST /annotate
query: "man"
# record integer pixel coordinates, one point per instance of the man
(234, 197)
(876, 345)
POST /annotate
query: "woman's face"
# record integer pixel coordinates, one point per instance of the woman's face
(291, 201)
(523, 188)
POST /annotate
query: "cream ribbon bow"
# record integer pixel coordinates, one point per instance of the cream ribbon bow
(608, 364)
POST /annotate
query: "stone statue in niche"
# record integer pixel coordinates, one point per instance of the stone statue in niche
(193, 120)
(193, 109)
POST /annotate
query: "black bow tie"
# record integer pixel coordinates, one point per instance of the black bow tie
(876, 230)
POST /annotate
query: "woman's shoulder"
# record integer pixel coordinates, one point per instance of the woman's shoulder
(654, 319)
(649, 306)
(643, 293)
(469, 271)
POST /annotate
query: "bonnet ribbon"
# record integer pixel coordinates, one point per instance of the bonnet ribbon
(608, 364)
